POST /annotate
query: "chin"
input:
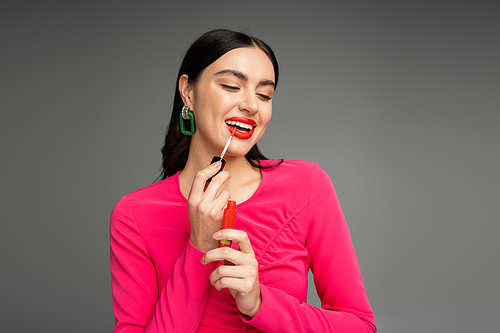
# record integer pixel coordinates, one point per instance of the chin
(239, 150)
(234, 155)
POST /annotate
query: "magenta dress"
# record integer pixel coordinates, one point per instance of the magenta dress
(294, 223)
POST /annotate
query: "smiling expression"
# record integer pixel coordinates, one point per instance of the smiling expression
(235, 90)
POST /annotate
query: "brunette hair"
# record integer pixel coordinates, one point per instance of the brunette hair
(204, 51)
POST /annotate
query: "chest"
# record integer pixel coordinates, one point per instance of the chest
(277, 234)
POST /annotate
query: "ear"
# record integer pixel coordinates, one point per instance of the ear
(186, 90)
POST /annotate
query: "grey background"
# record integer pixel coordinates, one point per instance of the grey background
(397, 101)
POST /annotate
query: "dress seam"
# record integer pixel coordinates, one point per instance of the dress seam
(277, 233)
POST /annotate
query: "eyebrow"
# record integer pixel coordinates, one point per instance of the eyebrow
(244, 77)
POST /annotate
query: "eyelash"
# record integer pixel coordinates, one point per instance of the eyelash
(230, 88)
(263, 97)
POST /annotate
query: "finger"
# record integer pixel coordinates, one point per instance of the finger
(216, 183)
(209, 203)
(238, 236)
(213, 208)
(225, 253)
(244, 286)
(221, 201)
(201, 177)
(236, 272)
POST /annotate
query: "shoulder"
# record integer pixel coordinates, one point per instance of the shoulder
(164, 190)
(299, 170)
(294, 179)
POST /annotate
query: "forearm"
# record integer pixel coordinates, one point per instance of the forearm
(292, 316)
(182, 301)
(177, 308)
(142, 302)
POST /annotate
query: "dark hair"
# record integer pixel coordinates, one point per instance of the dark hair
(204, 51)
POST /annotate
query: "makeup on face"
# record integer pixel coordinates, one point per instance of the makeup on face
(244, 127)
(235, 91)
(228, 221)
(221, 158)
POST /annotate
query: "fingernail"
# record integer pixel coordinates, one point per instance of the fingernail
(216, 164)
(217, 234)
(203, 260)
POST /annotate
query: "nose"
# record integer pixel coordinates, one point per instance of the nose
(249, 103)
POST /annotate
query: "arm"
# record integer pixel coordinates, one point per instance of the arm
(138, 305)
(337, 277)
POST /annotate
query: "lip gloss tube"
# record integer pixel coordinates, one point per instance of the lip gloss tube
(220, 159)
(223, 163)
(228, 221)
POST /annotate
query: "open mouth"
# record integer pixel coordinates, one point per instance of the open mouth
(245, 128)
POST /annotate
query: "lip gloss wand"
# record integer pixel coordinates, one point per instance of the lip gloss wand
(228, 142)
(220, 158)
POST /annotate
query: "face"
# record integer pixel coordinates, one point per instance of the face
(234, 91)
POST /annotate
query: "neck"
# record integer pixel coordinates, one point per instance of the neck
(244, 177)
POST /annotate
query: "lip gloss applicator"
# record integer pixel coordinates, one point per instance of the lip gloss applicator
(220, 158)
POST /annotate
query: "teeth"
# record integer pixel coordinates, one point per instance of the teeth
(239, 124)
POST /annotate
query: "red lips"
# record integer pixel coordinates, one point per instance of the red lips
(239, 134)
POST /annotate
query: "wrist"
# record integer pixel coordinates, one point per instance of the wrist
(250, 314)
(202, 244)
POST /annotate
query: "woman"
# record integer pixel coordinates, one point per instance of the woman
(167, 271)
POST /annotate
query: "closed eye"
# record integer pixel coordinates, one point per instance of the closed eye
(263, 97)
(229, 88)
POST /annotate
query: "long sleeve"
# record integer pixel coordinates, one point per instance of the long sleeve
(294, 222)
(138, 304)
(338, 280)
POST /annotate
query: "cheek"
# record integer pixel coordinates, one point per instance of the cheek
(211, 101)
(266, 116)
(206, 106)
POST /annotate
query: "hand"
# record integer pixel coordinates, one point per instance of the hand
(206, 208)
(242, 278)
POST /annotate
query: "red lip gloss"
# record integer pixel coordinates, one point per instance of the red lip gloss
(220, 158)
(228, 221)
(242, 134)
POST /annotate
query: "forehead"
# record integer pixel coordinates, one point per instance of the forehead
(251, 61)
